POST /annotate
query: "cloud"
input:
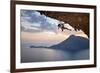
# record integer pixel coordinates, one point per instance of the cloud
(33, 21)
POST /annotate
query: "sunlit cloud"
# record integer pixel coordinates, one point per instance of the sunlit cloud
(33, 19)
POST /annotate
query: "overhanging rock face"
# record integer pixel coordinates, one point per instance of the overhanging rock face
(76, 20)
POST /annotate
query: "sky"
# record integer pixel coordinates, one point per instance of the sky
(37, 27)
(33, 21)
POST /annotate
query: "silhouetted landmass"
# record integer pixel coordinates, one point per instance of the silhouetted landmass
(38, 46)
(72, 44)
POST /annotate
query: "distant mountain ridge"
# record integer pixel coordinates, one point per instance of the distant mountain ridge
(73, 43)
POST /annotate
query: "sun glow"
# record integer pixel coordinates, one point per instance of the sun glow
(43, 36)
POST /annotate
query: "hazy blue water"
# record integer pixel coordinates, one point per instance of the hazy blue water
(47, 54)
